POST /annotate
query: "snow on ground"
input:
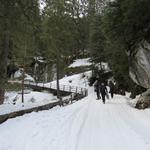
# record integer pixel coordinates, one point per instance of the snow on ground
(80, 80)
(17, 74)
(133, 102)
(85, 125)
(28, 77)
(31, 99)
(81, 62)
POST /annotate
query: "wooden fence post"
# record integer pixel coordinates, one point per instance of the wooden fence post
(70, 89)
(86, 92)
(81, 91)
(63, 87)
(71, 98)
(76, 89)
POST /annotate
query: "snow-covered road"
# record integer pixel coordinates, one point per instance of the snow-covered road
(114, 126)
(85, 125)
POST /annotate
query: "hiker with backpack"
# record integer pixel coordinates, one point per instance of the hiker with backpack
(103, 91)
(112, 88)
(97, 89)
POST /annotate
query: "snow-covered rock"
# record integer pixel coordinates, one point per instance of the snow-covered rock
(17, 74)
(28, 77)
(144, 100)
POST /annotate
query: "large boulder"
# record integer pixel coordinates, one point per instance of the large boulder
(140, 65)
(144, 100)
(140, 71)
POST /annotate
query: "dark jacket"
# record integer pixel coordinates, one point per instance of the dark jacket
(96, 86)
(103, 89)
(112, 86)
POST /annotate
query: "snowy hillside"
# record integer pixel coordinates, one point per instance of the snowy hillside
(80, 80)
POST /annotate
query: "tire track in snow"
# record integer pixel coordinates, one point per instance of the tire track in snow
(86, 135)
(100, 122)
(77, 126)
(106, 127)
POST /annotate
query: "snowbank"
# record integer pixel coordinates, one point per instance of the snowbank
(29, 78)
(13, 101)
(81, 62)
(80, 80)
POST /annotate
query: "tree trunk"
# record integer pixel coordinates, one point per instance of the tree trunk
(23, 76)
(4, 48)
(57, 69)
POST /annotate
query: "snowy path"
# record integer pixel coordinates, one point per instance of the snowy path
(85, 125)
(114, 126)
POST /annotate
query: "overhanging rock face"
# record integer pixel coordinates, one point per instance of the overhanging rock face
(140, 65)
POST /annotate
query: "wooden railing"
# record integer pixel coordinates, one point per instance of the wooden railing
(79, 94)
(65, 88)
(52, 86)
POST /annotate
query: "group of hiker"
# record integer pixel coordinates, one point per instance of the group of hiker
(102, 91)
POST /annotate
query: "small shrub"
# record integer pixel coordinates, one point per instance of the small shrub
(13, 87)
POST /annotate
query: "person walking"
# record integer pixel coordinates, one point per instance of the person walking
(97, 89)
(103, 91)
(112, 88)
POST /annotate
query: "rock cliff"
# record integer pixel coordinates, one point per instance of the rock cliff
(140, 71)
(140, 65)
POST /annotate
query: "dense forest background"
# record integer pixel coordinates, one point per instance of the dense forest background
(105, 31)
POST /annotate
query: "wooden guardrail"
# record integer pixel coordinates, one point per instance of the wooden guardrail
(79, 93)
(52, 87)
(4, 117)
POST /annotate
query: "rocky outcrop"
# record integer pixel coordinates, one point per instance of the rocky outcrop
(140, 65)
(144, 100)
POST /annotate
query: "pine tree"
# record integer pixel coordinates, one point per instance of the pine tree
(125, 24)
(96, 37)
(16, 26)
